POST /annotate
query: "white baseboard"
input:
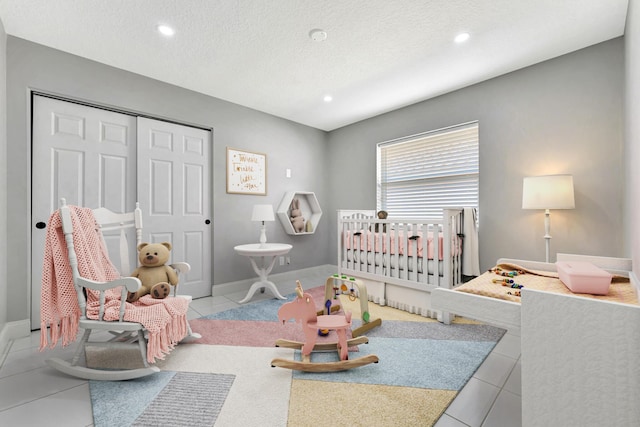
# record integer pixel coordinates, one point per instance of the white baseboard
(244, 285)
(11, 331)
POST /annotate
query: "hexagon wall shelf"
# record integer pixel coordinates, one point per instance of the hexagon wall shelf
(309, 206)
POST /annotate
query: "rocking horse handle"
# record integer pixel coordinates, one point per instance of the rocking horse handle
(299, 289)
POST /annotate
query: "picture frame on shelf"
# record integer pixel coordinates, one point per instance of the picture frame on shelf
(246, 172)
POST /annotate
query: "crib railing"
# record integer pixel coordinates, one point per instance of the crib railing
(396, 250)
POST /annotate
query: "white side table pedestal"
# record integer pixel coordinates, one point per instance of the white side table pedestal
(262, 252)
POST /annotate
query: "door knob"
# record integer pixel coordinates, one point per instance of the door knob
(40, 225)
(206, 221)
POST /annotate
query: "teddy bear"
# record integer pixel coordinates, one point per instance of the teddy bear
(297, 220)
(153, 272)
(381, 215)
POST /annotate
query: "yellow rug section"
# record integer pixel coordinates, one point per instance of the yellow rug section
(367, 405)
(389, 313)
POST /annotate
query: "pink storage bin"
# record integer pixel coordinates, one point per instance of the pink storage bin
(584, 277)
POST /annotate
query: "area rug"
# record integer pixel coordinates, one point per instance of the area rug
(225, 378)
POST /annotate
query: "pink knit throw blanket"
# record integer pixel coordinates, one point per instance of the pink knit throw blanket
(164, 319)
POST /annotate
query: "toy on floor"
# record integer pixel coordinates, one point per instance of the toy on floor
(303, 309)
(332, 290)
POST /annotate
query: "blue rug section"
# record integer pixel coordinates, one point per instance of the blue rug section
(436, 331)
(119, 403)
(419, 363)
(164, 398)
(427, 355)
(265, 310)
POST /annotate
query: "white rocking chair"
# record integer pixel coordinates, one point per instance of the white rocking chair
(125, 334)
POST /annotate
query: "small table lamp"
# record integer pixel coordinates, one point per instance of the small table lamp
(548, 192)
(262, 213)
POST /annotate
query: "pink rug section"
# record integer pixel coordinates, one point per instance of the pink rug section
(250, 333)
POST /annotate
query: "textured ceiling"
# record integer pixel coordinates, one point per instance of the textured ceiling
(379, 54)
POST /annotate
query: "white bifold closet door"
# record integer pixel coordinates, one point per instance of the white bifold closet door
(99, 158)
(174, 194)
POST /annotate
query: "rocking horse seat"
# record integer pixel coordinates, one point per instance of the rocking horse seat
(336, 323)
(330, 322)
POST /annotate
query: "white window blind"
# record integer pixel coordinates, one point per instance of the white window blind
(421, 174)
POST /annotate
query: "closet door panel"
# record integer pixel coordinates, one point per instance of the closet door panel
(160, 188)
(174, 181)
(114, 180)
(84, 154)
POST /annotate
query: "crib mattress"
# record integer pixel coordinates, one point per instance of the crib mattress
(621, 290)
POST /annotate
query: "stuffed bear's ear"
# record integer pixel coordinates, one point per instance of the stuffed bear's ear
(166, 244)
(142, 245)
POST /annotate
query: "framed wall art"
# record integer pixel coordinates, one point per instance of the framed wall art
(246, 172)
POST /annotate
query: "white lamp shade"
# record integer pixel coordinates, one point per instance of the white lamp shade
(548, 192)
(262, 213)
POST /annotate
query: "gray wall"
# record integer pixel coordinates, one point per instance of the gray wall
(561, 116)
(287, 145)
(3, 179)
(632, 134)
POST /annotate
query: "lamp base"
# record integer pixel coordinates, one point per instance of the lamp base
(263, 235)
(547, 230)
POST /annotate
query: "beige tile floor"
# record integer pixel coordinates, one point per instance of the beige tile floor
(32, 394)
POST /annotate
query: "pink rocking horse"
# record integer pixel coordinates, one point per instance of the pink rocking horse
(303, 310)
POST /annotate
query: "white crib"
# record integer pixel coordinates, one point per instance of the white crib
(401, 260)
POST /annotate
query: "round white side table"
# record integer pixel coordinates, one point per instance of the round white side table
(261, 252)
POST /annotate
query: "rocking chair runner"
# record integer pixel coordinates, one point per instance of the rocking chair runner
(82, 289)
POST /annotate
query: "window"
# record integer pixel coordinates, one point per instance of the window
(420, 174)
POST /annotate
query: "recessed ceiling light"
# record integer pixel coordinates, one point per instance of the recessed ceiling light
(166, 30)
(318, 35)
(462, 37)
(328, 98)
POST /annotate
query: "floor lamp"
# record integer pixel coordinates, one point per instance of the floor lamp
(548, 192)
